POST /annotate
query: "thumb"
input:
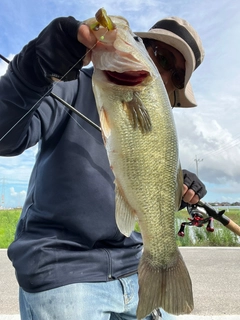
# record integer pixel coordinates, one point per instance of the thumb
(86, 36)
(184, 189)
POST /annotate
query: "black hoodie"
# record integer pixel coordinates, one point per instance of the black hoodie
(67, 231)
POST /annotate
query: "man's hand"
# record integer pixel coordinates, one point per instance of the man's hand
(61, 48)
(86, 36)
(193, 188)
(59, 52)
(88, 39)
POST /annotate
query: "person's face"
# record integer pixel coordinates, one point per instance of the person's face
(170, 63)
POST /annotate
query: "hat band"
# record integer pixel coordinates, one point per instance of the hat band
(182, 32)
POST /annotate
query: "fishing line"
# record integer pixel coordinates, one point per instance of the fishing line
(219, 151)
(81, 127)
(53, 95)
(45, 94)
(75, 111)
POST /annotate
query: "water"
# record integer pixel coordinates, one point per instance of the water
(227, 208)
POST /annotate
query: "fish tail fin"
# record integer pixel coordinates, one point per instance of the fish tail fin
(169, 287)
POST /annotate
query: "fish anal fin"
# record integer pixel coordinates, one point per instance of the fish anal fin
(138, 114)
(125, 216)
(169, 287)
(179, 188)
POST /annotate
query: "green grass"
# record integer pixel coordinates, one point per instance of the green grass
(8, 223)
(194, 236)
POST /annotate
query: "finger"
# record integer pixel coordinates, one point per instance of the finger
(86, 36)
(188, 195)
(196, 187)
(184, 189)
(194, 199)
(188, 178)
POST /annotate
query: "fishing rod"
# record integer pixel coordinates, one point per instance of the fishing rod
(66, 104)
(202, 213)
(75, 111)
(198, 217)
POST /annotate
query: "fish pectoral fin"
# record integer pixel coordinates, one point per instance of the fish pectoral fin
(125, 217)
(106, 130)
(138, 114)
(168, 287)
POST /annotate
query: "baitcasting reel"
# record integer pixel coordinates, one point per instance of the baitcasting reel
(198, 217)
(202, 213)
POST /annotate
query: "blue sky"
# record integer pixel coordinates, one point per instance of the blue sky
(209, 135)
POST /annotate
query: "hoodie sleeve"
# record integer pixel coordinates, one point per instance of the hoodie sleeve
(26, 110)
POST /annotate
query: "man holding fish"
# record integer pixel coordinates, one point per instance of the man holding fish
(73, 258)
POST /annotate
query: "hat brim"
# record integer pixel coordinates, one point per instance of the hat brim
(184, 97)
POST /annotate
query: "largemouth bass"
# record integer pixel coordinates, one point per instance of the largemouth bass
(141, 142)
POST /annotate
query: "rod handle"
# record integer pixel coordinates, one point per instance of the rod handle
(233, 227)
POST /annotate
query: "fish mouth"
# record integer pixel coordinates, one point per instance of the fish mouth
(128, 78)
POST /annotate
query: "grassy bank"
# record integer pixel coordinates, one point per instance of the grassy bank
(8, 223)
(194, 236)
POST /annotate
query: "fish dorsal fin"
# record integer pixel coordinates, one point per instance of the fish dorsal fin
(138, 114)
(106, 130)
(125, 217)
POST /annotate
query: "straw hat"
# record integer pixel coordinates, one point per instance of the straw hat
(179, 34)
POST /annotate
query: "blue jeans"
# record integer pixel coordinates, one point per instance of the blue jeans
(113, 300)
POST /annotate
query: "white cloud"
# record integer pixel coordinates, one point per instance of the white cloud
(13, 193)
(210, 131)
(16, 198)
(205, 138)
